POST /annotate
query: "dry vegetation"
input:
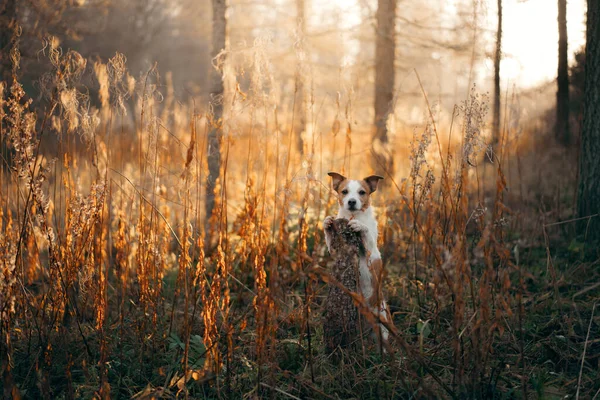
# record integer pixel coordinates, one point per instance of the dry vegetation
(114, 284)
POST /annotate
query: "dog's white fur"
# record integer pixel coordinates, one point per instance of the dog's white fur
(354, 201)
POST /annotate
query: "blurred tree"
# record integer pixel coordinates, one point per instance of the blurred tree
(563, 135)
(497, 59)
(588, 202)
(173, 33)
(300, 74)
(35, 20)
(577, 87)
(8, 15)
(219, 46)
(134, 28)
(385, 48)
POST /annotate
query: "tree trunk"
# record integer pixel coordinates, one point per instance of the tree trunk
(497, 59)
(562, 95)
(300, 99)
(8, 15)
(588, 201)
(385, 47)
(340, 328)
(215, 133)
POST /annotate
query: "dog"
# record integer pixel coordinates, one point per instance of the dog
(354, 198)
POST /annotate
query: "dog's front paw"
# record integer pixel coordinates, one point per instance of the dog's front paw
(357, 226)
(327, 223)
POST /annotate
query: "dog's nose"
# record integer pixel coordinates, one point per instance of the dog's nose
(351, 202)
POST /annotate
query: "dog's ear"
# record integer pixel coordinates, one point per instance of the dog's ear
(372, 181)
(336, 179)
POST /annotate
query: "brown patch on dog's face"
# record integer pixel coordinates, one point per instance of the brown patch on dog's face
(343, 191)
(364, 193)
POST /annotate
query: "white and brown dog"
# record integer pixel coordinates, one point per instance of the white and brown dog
(355, 205)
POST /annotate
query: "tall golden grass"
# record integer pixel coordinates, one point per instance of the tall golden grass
(114, 283)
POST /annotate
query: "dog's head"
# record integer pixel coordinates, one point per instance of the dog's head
(354, 195)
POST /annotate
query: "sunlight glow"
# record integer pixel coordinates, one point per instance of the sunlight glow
(530, 39)
(530, 34)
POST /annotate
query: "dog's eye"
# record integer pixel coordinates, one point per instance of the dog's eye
(345, 191)
(362, 192)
